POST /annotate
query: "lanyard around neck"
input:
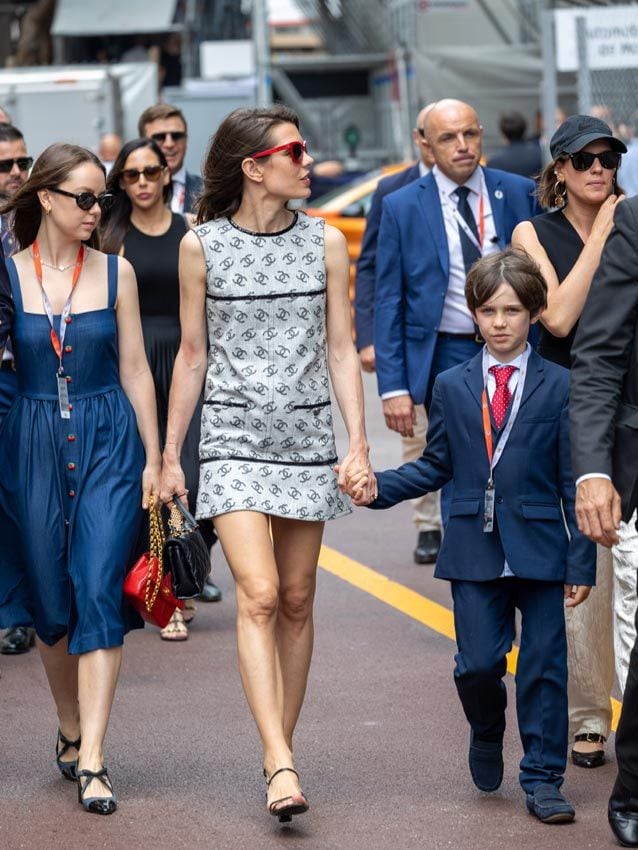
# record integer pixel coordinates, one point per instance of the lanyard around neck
(57, 341)
(494, 456)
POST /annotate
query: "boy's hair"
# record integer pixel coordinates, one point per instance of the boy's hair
(513, 266)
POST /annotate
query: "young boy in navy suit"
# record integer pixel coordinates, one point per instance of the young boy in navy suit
(499, 429)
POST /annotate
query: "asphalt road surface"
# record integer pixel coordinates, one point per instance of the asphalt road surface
(381, 745)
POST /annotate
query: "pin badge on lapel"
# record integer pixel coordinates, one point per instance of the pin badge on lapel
(498, 195)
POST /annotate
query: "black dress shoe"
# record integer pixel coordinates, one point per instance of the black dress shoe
(486, 763)
(427, 547)
(593, 759)
(210, 593)
(624, 825)
(17, 641)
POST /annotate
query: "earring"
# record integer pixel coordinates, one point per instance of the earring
(560, 194)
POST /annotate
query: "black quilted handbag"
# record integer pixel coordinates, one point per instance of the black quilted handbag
(186, 554)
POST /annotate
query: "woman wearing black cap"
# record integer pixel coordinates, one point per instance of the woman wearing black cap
(567, 243)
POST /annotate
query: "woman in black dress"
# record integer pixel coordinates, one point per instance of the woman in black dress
(567, 243)
(141, 227)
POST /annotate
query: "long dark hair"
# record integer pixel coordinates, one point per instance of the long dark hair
(115, 224)
(241, 134)
(51, 168)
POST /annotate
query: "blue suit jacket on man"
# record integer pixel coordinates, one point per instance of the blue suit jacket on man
(192, 188)
(413, 271)
(533, 481)
(365, 281)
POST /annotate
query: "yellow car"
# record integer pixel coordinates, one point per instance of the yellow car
(346, 207)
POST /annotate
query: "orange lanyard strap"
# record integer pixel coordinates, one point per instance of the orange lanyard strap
(487, 429)
(481, 221)
(57, 341)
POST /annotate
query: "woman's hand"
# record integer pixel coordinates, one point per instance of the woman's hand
(604, 220)
(150, 485)
(173, 482)
(356, 477)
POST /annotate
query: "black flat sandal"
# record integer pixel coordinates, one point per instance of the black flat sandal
(593, 759)
(285, 813)
(96, 805)
(68, 769)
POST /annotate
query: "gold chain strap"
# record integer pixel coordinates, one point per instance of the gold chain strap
(156, 550)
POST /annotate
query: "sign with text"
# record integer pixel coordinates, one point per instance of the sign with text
(612, 37)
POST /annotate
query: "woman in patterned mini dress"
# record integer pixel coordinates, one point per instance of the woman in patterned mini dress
(271, 287)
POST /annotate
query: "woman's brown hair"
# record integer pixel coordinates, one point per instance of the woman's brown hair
(50, 169)
(548, 184)
(242, 133)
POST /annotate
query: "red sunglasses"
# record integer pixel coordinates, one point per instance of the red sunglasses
(296, 149)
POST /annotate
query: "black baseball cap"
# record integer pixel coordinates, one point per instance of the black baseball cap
(577, 131)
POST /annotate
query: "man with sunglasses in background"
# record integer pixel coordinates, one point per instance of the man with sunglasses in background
(14, 170)
(167, 126)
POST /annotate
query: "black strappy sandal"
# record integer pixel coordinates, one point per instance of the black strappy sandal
(96, 805)
(285, 813)
(68, 769)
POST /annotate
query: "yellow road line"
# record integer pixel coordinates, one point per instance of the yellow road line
(409, 602)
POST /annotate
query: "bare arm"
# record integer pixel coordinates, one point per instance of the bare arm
(343, 361)
(190, 364)
(565, 302)
(136, 378)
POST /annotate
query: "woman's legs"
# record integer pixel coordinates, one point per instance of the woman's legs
(83, 687)
(62, 673)
(275, 586)
(97, 678)
(591, 657)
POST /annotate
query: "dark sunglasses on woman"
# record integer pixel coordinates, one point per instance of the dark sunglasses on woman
(296, 150)
(87, 200)
(24, 163)
(583, 160)
(150, 172)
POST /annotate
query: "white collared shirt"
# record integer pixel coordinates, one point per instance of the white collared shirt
(179, 190)
(491, 388)
(456, 317)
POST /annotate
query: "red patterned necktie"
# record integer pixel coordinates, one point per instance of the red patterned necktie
(502, 395)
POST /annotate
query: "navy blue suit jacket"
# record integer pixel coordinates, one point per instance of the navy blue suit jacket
(413, 271)
(192, 188)
(365, 281)
(533, 481)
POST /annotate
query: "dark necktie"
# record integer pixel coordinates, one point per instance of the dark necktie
(502, 394)
(8, 240)
(470, 252)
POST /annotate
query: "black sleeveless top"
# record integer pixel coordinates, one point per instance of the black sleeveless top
(563, 246)
(155, 261)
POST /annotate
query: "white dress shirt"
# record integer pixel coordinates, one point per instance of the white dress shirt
(456, 317)
(491, 388)
(179, 190)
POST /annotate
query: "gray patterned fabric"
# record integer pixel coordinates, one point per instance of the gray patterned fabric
(266, 440)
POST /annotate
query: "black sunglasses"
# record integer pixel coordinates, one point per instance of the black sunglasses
(178, 136)
(151, 172)
(24, 163)
(87, 200)
(583, 160)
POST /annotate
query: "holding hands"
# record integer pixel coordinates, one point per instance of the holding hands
(356, 478)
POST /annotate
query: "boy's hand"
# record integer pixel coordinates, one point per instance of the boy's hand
(575, 594)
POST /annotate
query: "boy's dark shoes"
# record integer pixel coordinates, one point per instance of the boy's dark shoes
(427, 547)
(486, 763)
(623, 815)
(549, 805)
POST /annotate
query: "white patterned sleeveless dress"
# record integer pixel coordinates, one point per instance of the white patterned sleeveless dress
(267, 443)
